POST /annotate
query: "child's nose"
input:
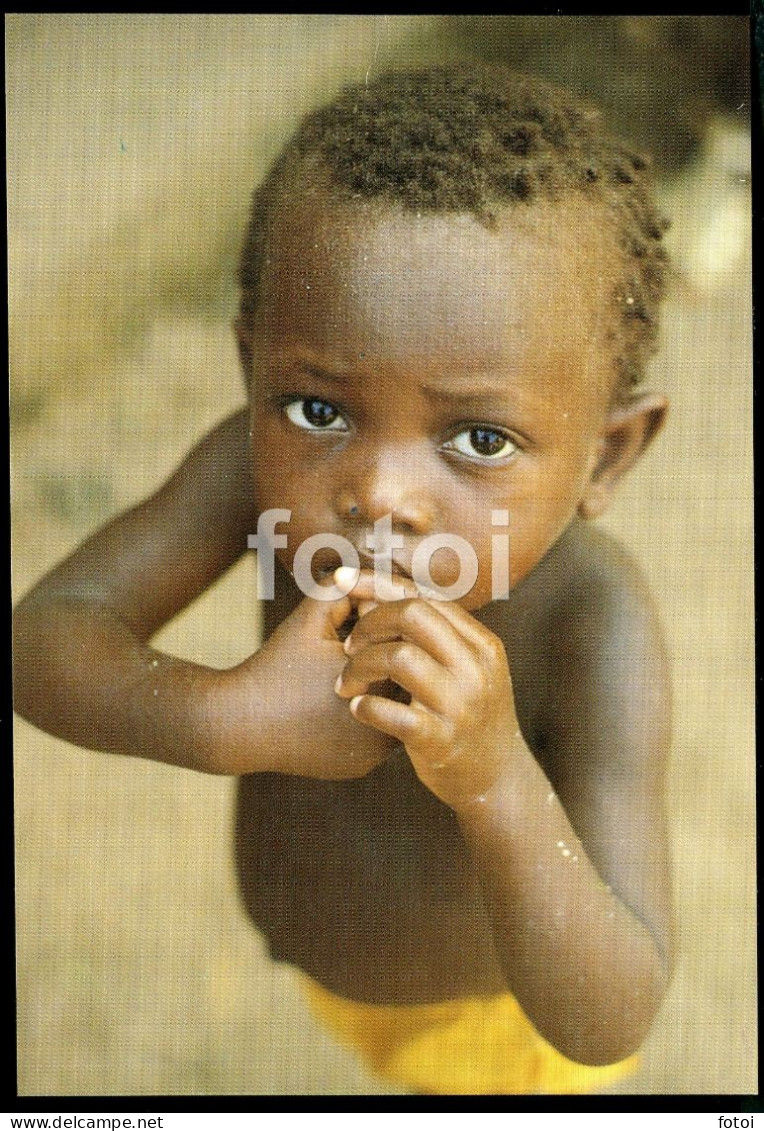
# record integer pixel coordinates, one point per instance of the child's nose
(389, 483)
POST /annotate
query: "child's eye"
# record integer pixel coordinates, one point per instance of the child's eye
(315, 415)
(482, 442)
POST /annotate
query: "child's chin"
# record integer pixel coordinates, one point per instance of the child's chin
(473, 604)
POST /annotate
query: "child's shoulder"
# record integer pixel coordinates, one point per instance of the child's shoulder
(586, 646)
(589, 574)
(587, 580)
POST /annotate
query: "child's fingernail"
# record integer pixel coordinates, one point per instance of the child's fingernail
(354, 703)
(346, 577)
(347, 645)
(338, 683)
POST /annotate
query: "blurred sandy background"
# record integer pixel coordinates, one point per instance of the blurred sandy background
(133, 145)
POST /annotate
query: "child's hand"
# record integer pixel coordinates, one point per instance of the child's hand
(459, 729)
(280, 708)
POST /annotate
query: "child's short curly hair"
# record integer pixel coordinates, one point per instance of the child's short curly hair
(459, 139)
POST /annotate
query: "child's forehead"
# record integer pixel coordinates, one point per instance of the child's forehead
(557, 254)
(435, 293)
(574, 233)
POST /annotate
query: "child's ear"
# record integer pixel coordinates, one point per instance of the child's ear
(627, 432)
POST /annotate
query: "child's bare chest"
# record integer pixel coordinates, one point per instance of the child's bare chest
(365, 884)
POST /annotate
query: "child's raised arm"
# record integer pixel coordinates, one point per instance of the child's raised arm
(82, 666)
(84, 669)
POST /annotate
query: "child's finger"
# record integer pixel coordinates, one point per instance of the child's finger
(329, 616)
(367, 588)
(409, 723)
(416, 620)
(406, 665)
(470, 629)
(371, 585)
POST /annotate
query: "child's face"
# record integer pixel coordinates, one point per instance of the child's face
(432, 370)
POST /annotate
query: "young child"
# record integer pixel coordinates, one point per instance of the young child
(451, 811)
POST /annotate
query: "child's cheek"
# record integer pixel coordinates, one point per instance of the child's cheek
(447, 568)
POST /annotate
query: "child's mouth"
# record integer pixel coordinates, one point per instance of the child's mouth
(383, 564)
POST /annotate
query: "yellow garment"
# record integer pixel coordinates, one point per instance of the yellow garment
(475, 1046)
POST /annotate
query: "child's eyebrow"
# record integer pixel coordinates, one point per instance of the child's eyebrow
(312, 370)
(488, 394)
